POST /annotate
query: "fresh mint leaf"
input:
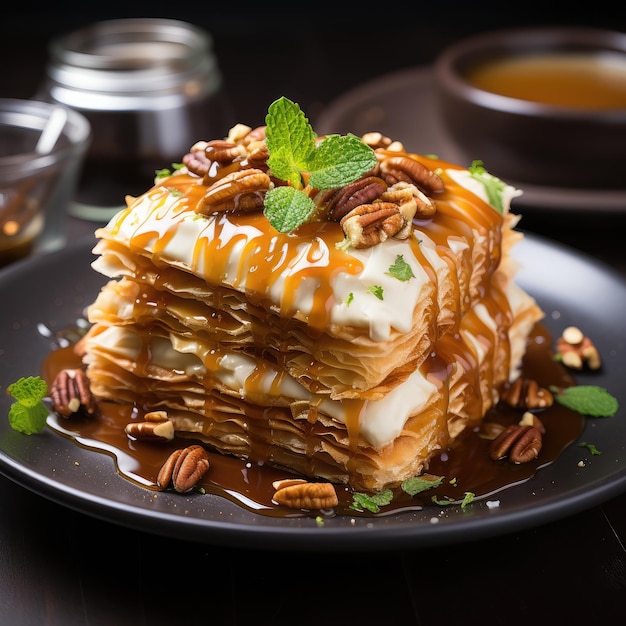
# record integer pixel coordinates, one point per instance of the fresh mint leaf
(494, 187)
(290, 141)
(286, 208)
(587, 399)
(401, 269)
(28, 413)
(339, 160)
(28, 391)
(28, 419)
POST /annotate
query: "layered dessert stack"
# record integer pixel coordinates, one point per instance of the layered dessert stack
(345, 331)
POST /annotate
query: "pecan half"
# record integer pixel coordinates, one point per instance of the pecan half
(70, 393)
(241, 190)
(305, 495)
(340, 202)
(197, 161)
(184, 468)
(403, 168)
(520, 443)
(224, 151)
(525, 393)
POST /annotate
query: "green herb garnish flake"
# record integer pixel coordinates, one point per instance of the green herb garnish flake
(468, 498)
(494, 187)
(165, 172)
(376, 290)
(594, 451)
(401, 269)
(303, 163)
(371, 502)
(418, 484)
(28, 413)
(588, 400)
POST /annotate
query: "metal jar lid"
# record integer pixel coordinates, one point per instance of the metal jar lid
(132, 64)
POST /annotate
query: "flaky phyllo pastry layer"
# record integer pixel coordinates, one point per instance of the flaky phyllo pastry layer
(307, 350)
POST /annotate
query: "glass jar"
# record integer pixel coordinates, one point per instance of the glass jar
(150, 89)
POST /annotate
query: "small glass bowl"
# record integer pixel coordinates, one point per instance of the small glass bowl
(37, 182)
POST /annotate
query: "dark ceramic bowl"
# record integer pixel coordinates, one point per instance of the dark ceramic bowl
(522, 140)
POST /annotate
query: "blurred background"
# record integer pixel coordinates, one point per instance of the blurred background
(312, 52)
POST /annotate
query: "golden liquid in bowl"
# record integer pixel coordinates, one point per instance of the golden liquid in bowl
(581, 80)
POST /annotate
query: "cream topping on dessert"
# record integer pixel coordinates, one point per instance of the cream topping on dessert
(292, 270)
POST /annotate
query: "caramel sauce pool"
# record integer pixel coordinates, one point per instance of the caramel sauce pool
(466, 464)
(587, 81)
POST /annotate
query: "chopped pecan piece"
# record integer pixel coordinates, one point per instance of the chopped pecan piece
(530, 419)
(376, 140)
(525, 393)
(305, 495)
(411, 201)
(577, 350)
(520, 443)
(70, 393)
(258, 154)
(151, 430)
(370, 224)
(155, 416)
(184, 468)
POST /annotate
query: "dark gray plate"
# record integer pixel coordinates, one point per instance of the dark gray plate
(402, 106)
(51, 292)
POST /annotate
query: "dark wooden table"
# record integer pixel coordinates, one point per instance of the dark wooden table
(62, 567)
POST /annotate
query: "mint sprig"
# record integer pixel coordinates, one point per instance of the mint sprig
(28, 413)
(303, 163)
